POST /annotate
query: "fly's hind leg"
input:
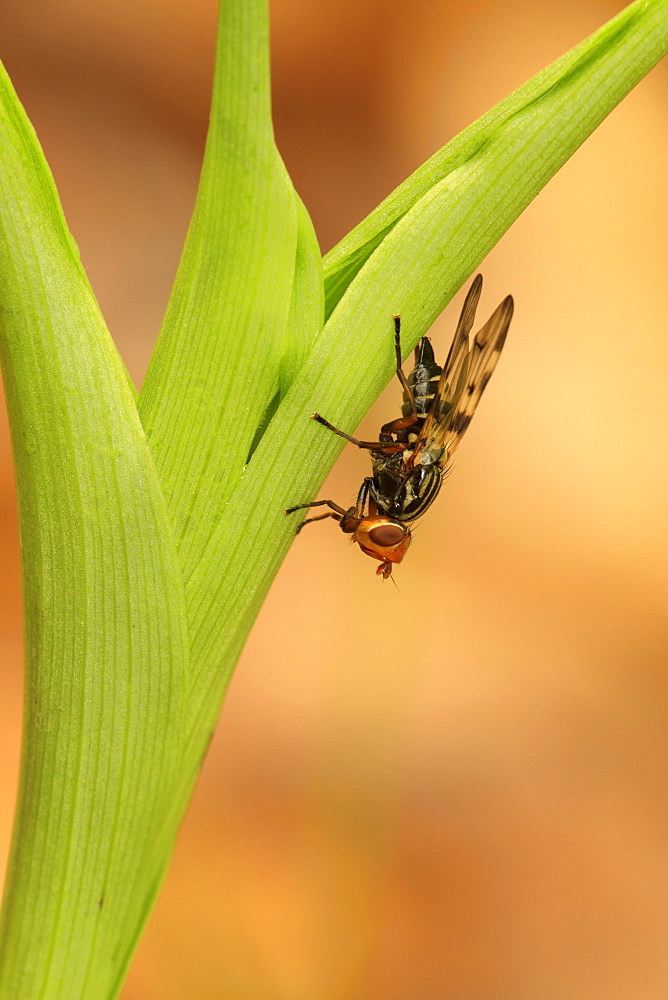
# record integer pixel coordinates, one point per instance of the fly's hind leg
(401, 423)
(408, 392)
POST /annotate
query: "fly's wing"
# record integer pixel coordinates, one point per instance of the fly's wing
(455, 370)
(459, 349)
(483, 356)
(452, 411)
(454, 375)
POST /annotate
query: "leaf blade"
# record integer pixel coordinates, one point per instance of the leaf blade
(105, 687)
(636, 34)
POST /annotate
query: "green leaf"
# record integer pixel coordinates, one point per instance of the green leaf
(519, 144)
(217, 363)
(106, 630)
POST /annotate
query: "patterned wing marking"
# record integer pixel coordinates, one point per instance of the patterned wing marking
(454, 375)
(459, 349)
(460, 340)
(483, 356)
(455, 370)
(464, 378)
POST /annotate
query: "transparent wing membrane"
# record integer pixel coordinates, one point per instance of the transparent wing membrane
(467, 371)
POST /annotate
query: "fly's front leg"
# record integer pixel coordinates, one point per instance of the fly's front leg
(386, 446)
(365, 498)
(320, 517)
(337, 512)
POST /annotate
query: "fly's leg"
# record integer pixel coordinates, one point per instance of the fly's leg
(365, 495)
(320, 517)
(389, 447)
(408, 392)
(317, 503)
(401, 423)
(337, 512)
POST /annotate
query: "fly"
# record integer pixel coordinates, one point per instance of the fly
(414, 452)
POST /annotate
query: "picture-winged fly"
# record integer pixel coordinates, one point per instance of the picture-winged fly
(414, 451)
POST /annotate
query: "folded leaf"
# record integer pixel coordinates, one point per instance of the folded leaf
(106, 630)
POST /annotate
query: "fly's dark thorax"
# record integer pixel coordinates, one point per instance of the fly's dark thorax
(401, 491)
(400, 494)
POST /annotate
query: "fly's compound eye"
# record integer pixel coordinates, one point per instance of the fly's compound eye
(384, 539)
(387, 535)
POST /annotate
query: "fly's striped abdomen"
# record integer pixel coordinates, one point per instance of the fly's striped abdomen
(423, 380)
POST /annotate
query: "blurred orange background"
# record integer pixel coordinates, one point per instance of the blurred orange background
(457, 790)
